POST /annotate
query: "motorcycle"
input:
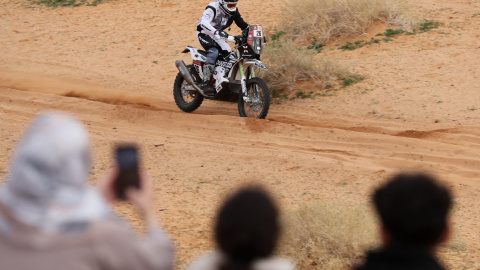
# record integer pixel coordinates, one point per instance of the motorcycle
(238, 66)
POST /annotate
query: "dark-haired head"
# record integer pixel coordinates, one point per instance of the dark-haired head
(413, 209)
(247, 227)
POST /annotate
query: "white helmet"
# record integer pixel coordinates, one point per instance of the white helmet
(229, 6)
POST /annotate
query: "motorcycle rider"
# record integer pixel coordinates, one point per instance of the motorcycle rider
(217, 17)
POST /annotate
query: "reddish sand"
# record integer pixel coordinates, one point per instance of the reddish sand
(113, 67)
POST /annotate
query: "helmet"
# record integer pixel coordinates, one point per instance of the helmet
(229, 6)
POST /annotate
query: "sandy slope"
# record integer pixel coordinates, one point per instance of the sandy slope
(112, 66)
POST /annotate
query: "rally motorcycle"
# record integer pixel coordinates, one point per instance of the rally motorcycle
(237, 66)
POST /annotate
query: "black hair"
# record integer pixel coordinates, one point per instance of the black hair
(247, 228)
(413, 209)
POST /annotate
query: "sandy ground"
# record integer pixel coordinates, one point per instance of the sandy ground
(112, 66)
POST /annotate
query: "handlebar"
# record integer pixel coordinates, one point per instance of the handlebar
(237, 39)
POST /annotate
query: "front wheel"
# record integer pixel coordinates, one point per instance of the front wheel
(259, 103)
(186, 97)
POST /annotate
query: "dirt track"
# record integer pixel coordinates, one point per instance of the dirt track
(112, 66)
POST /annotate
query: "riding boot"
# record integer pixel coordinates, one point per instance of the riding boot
(207, 76)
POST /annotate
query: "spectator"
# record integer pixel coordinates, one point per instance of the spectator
(246, 232)
(413, 210)
(50, 219)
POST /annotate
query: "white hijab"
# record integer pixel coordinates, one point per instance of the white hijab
(47, 185)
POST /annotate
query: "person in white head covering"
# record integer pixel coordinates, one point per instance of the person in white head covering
(51, 219)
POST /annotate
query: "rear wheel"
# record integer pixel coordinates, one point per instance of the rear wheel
(186, 97)
(259, 96)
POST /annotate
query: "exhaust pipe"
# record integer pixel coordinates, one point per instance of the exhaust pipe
(187, 76)
(184, 71)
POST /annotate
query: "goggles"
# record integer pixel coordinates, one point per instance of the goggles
(231, 5)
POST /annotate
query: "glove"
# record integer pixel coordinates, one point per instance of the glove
(221, 35)
(231, 38)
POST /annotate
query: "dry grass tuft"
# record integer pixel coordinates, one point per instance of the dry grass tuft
(323, 236)
(294, 69)
(290, 67)
(66, 3)
(323, 20)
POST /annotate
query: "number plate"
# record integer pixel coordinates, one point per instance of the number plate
(257, 30)
(257, 33)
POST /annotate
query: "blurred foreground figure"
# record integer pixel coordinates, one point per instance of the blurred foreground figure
(246, 231)
(50, 219)
(413, 210)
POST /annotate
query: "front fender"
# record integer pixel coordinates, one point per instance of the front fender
(255, 62)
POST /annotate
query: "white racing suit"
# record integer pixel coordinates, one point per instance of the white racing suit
(215, 19)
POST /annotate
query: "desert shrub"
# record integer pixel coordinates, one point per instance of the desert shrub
(427, 25)
(291, 67)
(323, 20)
(327, 236)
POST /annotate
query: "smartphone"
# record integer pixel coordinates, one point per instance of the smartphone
(128, 169)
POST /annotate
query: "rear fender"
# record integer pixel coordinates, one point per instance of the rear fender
(196, 56)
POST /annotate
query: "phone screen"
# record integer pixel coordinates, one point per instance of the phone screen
(128, 163)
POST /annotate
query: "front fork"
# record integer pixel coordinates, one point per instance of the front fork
(243, 80)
